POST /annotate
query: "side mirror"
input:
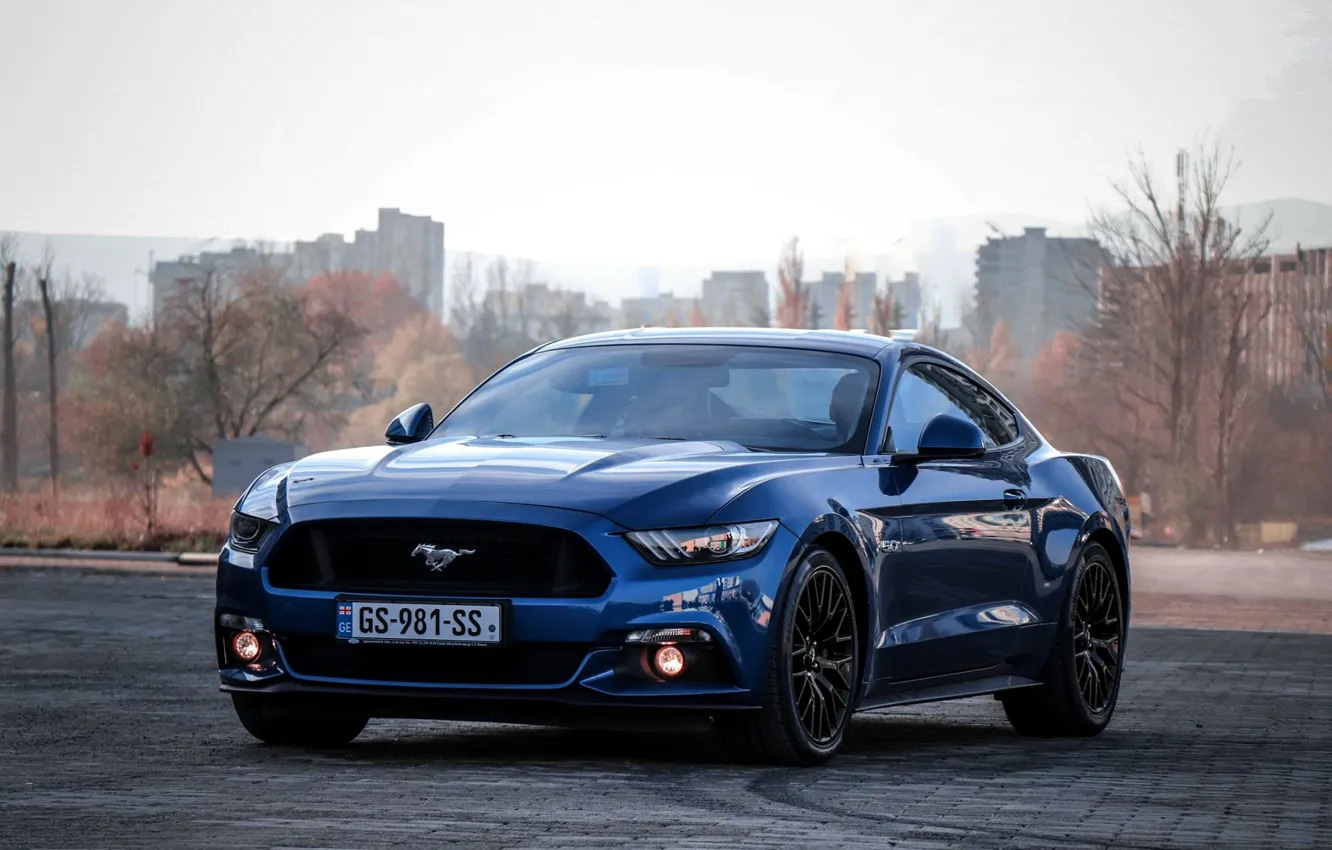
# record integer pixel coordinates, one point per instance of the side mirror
(411, 426)
(950, 437)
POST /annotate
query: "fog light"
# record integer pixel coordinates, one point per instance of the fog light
(669, 661)
(247, 647)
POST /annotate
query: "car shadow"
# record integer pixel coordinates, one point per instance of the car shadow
(387, 742)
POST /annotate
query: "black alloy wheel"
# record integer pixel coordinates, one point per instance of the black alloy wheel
(812, 675)
(823, 653)
(1080, 685)
(1098, 636)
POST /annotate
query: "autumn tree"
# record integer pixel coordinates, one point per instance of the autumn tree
(376, 303)
(885, 313)
(997, 357)
(421, 362)
(696, 317)
(793, 296)
(227, 357)
(845, 317)
(133, 382)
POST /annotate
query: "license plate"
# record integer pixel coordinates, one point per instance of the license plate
(388, 621)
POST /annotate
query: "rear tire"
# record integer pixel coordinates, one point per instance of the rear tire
(294, 729)
(812, 673)
(1086, 663)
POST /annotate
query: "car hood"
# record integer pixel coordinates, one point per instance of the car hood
(635, 483)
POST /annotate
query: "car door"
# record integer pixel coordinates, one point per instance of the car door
(950, 584)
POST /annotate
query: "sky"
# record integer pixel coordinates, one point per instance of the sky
(636, 132)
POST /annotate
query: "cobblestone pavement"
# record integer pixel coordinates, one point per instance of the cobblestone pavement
(112, 734)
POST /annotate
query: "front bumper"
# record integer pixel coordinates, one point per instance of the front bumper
(732, 602)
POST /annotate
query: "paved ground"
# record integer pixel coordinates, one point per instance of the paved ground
(112, 734)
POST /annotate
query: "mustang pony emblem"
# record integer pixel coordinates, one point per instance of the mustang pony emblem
(438, 559)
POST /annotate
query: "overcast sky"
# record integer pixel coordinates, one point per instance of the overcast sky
(637, 132)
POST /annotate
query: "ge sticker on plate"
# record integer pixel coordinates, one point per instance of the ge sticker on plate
(616, 376)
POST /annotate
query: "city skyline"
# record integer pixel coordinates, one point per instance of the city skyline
(706, 140)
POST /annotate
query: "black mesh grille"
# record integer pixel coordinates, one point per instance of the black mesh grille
(519, 664)
(375, 556)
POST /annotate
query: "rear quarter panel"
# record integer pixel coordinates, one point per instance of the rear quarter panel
(1076, 499)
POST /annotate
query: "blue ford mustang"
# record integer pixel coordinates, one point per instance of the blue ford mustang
(772, 529)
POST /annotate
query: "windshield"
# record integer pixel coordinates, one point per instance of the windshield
(763, 398)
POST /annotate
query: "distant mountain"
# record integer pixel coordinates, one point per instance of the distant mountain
(943, 250)
(122, 262)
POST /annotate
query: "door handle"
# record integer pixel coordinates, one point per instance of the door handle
(1014, 500)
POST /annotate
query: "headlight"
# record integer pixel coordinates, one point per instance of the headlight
(703, 545)
(247, 532)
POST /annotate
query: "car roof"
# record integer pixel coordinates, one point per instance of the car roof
(843, 342)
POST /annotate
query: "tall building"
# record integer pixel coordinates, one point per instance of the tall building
(906, 292)
(1037, 285)
(1290, 346)
(409, 247)
(1292, 343)
(539, 312)
(826, 291)
(168, 276)
(735, 298)
(665, 310)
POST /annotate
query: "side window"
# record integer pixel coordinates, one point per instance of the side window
(994, 419)
(915, 402)
(927, 390)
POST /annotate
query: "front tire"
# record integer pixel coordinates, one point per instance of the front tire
(294, 728)
(1081, 681)
(812, 673)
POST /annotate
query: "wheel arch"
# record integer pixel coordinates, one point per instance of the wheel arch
(842, 537)
(844, 551)
(1110, 543)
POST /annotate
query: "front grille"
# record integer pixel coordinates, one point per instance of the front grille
(519, 664)
(375, 556)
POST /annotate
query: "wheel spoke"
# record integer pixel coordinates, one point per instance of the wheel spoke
(823, 654)
(1097, 636)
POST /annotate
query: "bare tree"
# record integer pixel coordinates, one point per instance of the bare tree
(761, 315)
(43, 273)
(1240, 311)
(9, 401)
(931, 330)
(885, 313)
(256, 356)
(1176, 325)
(465, 295)
(1313, 312)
